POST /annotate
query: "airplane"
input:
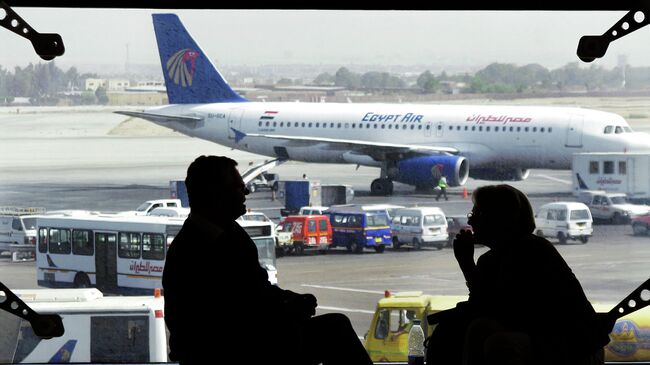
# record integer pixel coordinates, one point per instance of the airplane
(411, 144)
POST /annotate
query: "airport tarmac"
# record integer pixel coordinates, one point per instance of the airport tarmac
(84, 160)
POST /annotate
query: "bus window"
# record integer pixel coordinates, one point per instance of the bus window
(82, 243)
(129, 247)
(153, 246)
(59, 241)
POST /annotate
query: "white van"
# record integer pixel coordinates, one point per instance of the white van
(564, 220)
(419, 226)
(18, 235)
(313, 210)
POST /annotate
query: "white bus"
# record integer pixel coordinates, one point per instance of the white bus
(119, 254)
(98, 329)
(116, 254)
(263, 234)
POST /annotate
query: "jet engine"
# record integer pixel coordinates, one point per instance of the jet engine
(426, 170)
(492, 174)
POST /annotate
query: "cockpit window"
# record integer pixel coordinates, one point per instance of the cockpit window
(618, 130)
(608, 129)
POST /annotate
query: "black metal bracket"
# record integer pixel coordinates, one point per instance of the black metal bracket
(44, 325)
(591, 47)
(639, 298)
(46, 45)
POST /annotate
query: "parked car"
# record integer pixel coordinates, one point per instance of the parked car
(640, 224)
(454, 224)
(613, 207)
(418, 227)
(564, 220)
(307, 232)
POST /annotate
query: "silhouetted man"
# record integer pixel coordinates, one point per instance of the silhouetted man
(525, 304)
(219, 304)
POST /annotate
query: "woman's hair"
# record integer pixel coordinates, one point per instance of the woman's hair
(508, 205)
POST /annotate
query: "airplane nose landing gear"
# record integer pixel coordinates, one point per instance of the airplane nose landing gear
(381, 186)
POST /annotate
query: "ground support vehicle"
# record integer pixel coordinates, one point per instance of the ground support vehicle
(98, 329)
(612, 207)
(356, 229)
(307, 232)
(564, 221)
(18, 232)
(619, 172)
(387, 337)
(419, 227)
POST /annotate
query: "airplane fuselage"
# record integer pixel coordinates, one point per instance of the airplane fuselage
(488, 136)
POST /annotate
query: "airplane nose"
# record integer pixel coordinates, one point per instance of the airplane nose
(638, 142)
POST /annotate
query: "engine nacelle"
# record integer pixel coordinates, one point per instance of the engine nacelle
(499, 174)
(426, 170)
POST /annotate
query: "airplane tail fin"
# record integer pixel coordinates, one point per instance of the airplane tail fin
(190, 76)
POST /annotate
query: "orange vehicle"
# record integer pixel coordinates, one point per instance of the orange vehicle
(308, 231)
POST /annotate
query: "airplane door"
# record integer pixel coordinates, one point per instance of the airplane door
(574, 131)
(234, 122)
(439, 129)
(427, 129)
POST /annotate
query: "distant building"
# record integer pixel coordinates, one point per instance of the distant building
(108, 84)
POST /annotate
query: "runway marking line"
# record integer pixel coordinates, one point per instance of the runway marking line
(553, 178)
(339, 309)
(343, 289)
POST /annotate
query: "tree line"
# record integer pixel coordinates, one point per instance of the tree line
(47, 84)
(501, 78)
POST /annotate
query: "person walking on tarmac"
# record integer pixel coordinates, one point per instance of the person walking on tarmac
(213, 253)
(442, 187)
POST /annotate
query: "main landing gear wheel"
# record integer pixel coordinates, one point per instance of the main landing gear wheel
(381, 187)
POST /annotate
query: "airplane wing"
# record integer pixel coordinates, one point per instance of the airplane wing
(369, 148)
(160, 117)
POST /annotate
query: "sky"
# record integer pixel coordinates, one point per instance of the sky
(97, 37)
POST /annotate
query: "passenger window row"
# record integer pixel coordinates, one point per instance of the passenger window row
(405, 126)
(342, 125)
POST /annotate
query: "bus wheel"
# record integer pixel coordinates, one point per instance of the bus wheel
(81, 281)
(380, 248)
(416, 244)
(355, 247)
(561, 237)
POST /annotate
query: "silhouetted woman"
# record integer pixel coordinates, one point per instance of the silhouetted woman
(525, 304)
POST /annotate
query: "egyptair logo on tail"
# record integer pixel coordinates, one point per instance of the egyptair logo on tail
(181, 66)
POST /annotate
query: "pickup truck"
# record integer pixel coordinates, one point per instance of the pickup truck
(264, 181)
(613, 207)
(149, 205)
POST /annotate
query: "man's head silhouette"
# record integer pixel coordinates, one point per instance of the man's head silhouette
(215, 189)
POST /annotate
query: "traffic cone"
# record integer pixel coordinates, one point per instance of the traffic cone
(464, 193)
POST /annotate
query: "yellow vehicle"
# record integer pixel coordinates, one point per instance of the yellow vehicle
(387, 338)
